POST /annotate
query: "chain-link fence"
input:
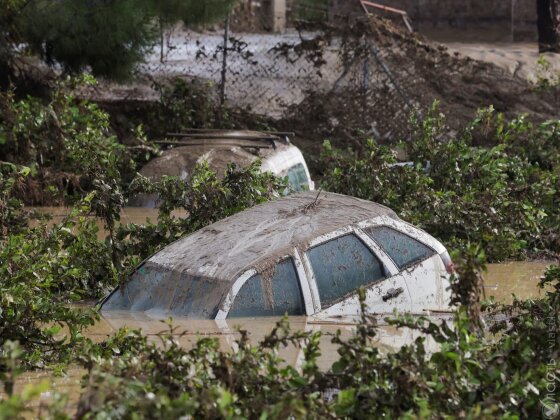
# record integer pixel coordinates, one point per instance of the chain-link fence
(272, 72)
(334, 66)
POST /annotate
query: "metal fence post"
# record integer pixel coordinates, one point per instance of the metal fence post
(366, 73)
(224, 61)
(513, 3)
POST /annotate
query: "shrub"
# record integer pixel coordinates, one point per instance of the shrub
(471, 374)
(504, 196)
(43, 269)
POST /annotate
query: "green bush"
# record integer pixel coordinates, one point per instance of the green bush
(472, 374)
(504, 195)
(12, 215)
(66, 142)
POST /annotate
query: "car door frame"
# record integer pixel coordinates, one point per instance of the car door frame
(227, 303)
(405, 228)
(389, 266)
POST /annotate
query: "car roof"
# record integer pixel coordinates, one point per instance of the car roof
(261, 236)
(219, 148)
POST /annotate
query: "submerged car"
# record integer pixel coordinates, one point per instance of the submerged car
(222, 147)
(304, 254)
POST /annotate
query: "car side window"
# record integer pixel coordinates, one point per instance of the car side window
(297, 178)
(403, 250)
(341, 266)
(275, 294)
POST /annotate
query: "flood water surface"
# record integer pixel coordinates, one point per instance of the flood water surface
(501, 281)
(136, 215)
(514, 278)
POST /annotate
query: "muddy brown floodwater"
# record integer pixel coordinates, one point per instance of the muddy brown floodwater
(137, 215)
(501, 281)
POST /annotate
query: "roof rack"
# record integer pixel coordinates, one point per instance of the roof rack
(257, 144)
(204, 133)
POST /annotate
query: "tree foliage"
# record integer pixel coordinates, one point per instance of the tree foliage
(503, 195)
(107, 37)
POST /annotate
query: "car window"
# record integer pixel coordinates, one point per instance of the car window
(278, 295)
(341, 266)
(151, 286)
(403, 250)
(298, 177)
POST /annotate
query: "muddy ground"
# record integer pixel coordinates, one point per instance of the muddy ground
(426, 71)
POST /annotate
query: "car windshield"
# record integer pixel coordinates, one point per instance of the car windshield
(297, 177)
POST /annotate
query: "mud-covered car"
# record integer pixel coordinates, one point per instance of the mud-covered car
(304, 254)
(219, 148)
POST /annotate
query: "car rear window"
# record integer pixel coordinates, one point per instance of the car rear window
(403, 250)
(276, 296)
(341, 266)
(297, 178)
(154, 287)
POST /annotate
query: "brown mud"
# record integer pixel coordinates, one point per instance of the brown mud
(425, 71)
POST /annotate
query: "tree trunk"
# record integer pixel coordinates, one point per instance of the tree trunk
(548, 13)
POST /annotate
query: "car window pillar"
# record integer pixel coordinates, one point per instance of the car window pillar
(388, 264)
(305, 285)
(390, 267)
(228, 301)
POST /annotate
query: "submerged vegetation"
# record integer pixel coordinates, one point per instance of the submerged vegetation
(495, 184)
(471, 374)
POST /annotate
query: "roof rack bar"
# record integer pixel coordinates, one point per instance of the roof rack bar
(222, 136)
(225, 142)
(283, 135)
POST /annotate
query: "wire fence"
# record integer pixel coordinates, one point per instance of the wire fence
(270, 73)
(328, 73)
(337, 67)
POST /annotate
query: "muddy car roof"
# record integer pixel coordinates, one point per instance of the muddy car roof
(262, 235)
(218, 148)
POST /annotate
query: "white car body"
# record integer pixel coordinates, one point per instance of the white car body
(305, 254)
(219, 148)
(285, 160)
(428, 281)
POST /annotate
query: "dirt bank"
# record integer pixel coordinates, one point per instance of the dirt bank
(421, 71)
(518, 59)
